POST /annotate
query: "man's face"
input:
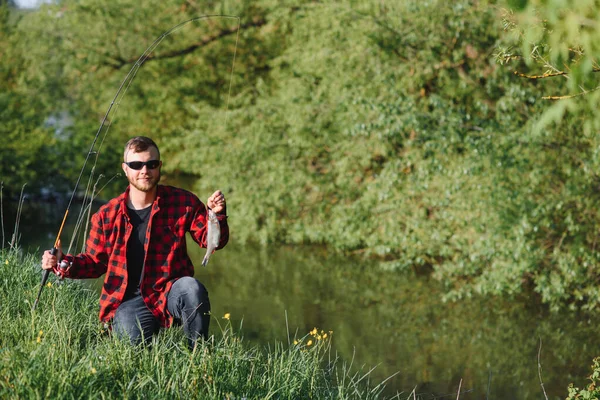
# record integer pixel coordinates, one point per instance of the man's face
(144, 179)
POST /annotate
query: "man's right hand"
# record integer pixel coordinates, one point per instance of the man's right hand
(50, 261)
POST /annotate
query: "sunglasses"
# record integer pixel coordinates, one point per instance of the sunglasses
(137, 165)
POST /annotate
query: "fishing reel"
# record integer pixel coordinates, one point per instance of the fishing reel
(62, 268)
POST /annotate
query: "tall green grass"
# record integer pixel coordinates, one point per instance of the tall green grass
(61, 351)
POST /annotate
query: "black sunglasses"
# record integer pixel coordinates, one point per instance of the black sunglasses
(137, 165)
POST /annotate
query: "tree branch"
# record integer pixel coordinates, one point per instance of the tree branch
(550, 75)
(571, 95)
(540, 76)
(255, 23)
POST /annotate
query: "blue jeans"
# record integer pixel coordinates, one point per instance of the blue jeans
(187, 302)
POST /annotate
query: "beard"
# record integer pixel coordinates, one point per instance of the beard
(145, 185)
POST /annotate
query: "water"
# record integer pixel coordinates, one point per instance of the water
(399, 324)
(393, 322)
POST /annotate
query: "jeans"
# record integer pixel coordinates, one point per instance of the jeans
(187, 302)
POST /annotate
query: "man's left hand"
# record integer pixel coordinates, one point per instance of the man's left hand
(216, 202)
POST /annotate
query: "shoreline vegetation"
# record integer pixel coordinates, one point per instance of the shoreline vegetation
(61, 351)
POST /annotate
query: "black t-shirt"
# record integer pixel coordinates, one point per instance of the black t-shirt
(135, 250)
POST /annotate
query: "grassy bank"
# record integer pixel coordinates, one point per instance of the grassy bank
(61, 351)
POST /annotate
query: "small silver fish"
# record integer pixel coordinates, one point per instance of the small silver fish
(213, 235)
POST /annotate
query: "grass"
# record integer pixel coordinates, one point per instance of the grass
(61, 351)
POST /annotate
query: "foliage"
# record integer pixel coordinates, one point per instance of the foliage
(592, 392)
(385, 130)
(25, 155)
(60, 351)
(557, 41)
(553, 46)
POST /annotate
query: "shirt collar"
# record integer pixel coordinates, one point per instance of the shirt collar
(156, 205)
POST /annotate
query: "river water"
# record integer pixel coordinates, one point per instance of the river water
(394, 322)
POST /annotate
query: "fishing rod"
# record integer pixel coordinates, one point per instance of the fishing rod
(117, 100)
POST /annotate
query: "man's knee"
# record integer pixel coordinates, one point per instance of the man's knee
(134, 323)
(130, 332)
(191, 290)
(126, 327)
(188, 303)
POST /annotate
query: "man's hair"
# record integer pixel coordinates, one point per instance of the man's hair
(139, 144)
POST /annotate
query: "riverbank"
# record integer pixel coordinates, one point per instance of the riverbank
(64, 338)
(61, 351)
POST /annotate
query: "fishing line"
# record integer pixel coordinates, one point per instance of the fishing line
(237, 37)
(87, 208)
(106, 122)
(75, 232)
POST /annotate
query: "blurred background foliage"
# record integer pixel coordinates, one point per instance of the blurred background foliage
(397, 131)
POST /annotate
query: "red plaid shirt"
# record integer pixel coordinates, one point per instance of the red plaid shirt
(174, 212)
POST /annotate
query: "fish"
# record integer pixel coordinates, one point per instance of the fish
(213, 235)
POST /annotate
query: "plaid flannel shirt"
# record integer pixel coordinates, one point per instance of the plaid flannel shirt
(174, 212)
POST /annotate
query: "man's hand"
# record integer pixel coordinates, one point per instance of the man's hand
(216, 202)
(49, 261)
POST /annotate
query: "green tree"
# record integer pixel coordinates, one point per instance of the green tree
(27, 141)
(553, 47)
(386, 130)
(77, 54)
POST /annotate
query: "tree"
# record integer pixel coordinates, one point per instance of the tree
(26, 141)
(381, 130)
(553, 46)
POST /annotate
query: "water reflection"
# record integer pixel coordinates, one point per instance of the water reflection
(398, 324)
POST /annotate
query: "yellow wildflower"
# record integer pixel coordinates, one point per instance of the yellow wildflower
(295, 342)
(49, 284)
(93, 370)
(6, 262)
(314, 331)
(309, 343)
(39, 338)
(226, 316)
(324, 336)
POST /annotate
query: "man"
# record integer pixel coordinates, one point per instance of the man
(138, 241)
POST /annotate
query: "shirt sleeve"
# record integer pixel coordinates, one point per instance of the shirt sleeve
(94, 262)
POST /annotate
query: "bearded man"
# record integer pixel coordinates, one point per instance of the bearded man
(138, 240)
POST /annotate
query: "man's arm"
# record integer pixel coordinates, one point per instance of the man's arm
(198, 229)
(91, 264)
